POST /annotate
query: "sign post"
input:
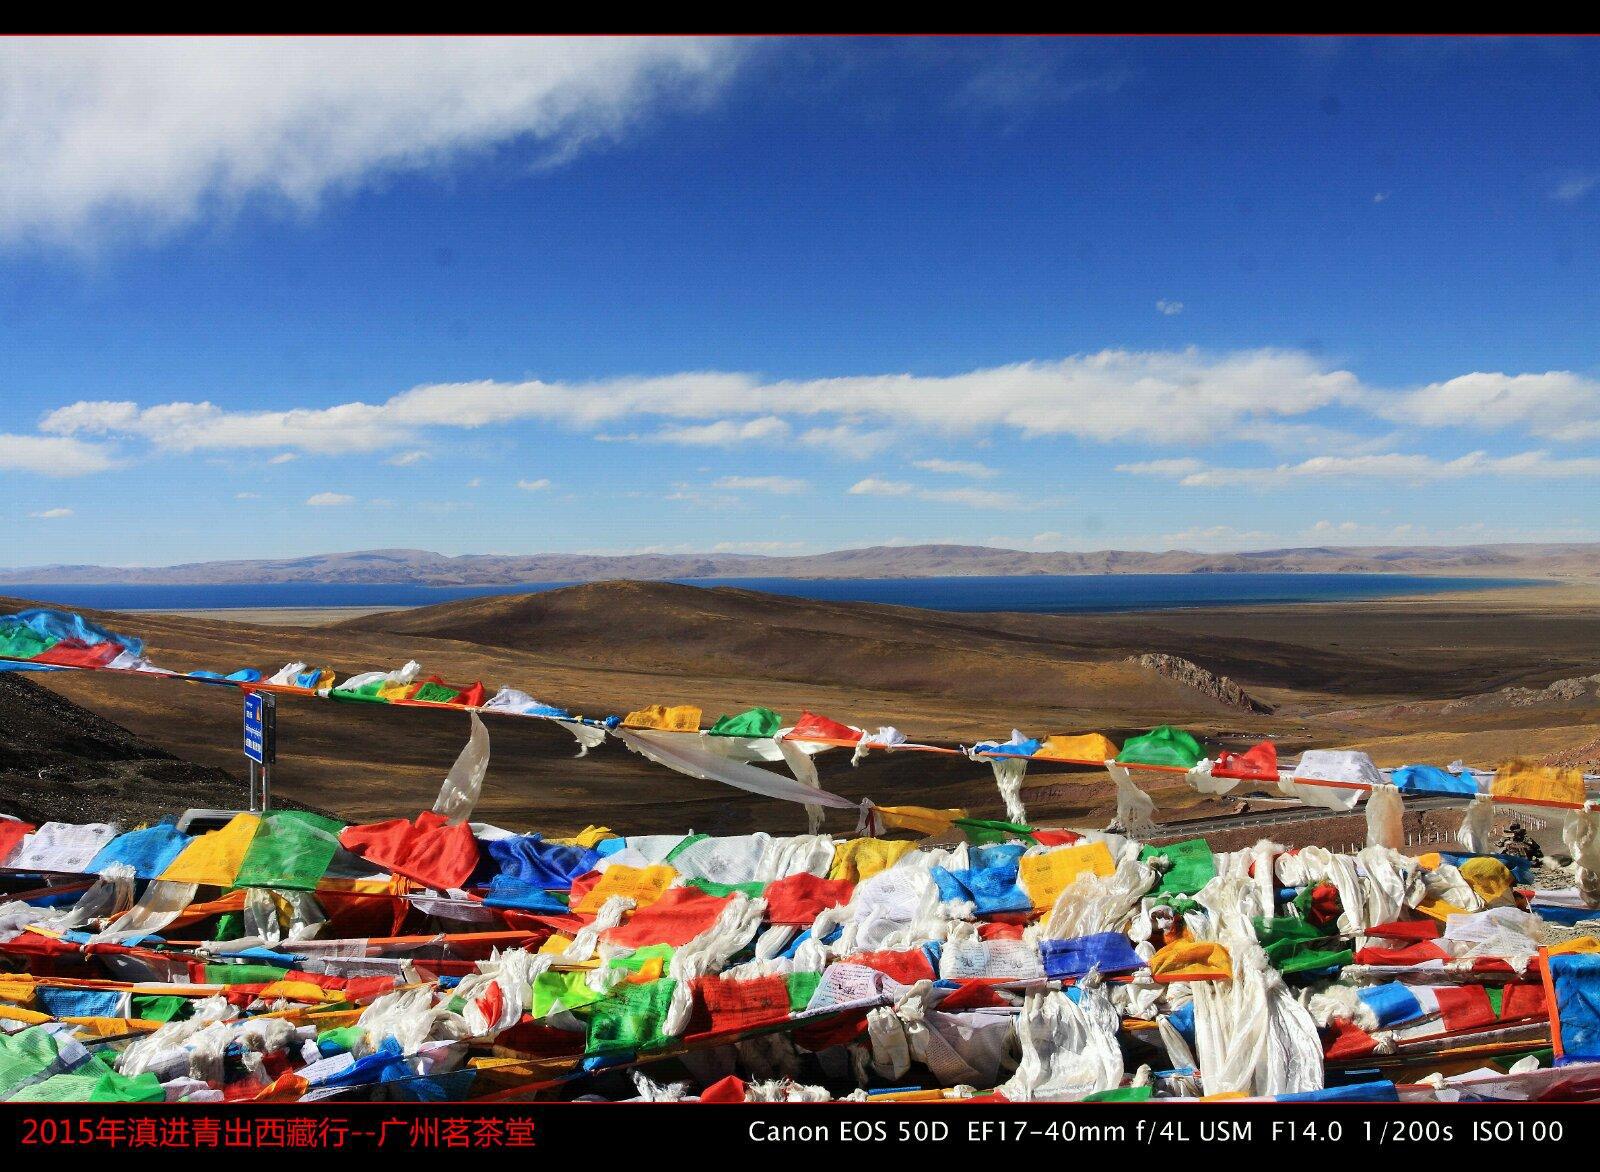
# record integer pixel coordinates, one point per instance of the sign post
(260, 746)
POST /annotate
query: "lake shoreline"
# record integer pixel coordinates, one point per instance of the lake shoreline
(320, 603)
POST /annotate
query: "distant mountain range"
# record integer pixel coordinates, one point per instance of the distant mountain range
(422, 567)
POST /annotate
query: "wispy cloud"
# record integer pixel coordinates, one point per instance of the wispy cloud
(1574, 188)
(51, 514)
(161, 131)
(780, 485)
(53, 455)
(1106, 396)
(970, 468)
(973, 498)
(1169, 308)
(534, 485)
(1174, 399)
(323, 500)
(1558, 404)
(1392, 466)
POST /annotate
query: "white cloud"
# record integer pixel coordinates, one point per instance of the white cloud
(1173, 398)
(723, 433)
(1557, 405)
(780, 485)
(51, 514)
(1390, 466)
(247, 496)
(160, 131)
(1575, 188)
(406, 459)
(876, 486)
(283, 458)
(974, 498)
(720, 434)
(325, 499)
(848, 440)
(53, 456)
(1180, 467)
(1169, 308)
(1111, 395)
(534, 485)
(187, 427)
(956, 468)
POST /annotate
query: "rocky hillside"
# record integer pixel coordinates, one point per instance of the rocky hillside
(1192, 675)
(60, 761)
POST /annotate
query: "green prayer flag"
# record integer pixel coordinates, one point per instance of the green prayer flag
(340, 1037)
(291, 849)
(722, 890)
(636, 960)
(1192, 866)
(553, 992)
(802, 986)
(24, 1056)
(688, 841)
(630, 1018)
(119, 1088)
(1121, 1095)
(366, 693)
(95, 1081)
(1162, 746)
(159, 1007)
(1293, 945)
(24, 642)
(243, 974)
(753, 722)
(436, 693)
(984, 832)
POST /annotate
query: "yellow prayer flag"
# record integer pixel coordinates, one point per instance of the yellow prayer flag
(1044, 877)
(214, 858)
(1187, 959)
(1490, 879)
(856, 859)
(919, 819)
(1083, 747)
(588, 837)
(643, 885)
(682, 718)
(1523, 779)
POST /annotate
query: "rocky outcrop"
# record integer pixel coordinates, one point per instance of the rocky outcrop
(1577, 690)
(1192, 675)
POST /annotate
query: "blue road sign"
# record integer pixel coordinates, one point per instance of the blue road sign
(255, 730)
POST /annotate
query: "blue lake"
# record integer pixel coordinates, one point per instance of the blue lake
(1046, 594)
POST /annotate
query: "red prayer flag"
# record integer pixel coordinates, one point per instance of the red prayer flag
(799, 899)
(1258, 763)
(811, 727)
(680, 915)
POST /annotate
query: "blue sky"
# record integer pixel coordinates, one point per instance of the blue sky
(274, 298)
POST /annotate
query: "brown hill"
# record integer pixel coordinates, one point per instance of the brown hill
(944, 677)
(665, 628)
